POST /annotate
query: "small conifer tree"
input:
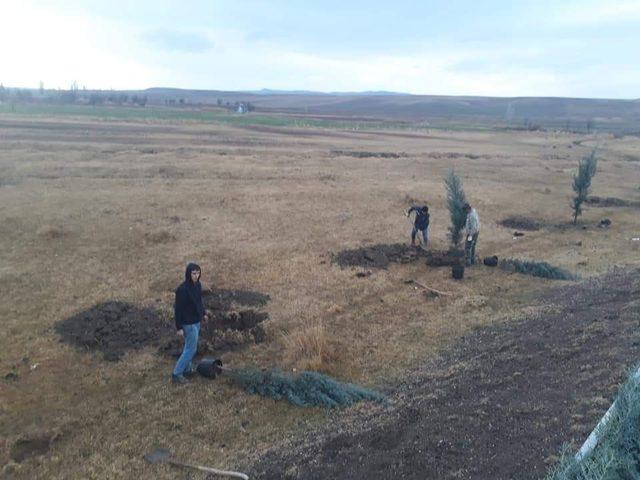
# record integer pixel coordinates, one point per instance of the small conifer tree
(582, 183)
(455, 203)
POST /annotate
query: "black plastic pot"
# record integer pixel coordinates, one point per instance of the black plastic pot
(209, 367)
(491, 261)
(457, 272)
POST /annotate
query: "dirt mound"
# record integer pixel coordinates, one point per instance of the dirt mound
(231, 325)
(378, 256)
(112, 328)
(360, 154)
(29, 447)
(520, 222)
(610, 202)
(222, 299)
(444, 258)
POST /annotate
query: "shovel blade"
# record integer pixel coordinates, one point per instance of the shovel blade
(158, 455)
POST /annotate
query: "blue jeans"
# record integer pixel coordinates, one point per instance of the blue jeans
(190, 348)
(425, 235)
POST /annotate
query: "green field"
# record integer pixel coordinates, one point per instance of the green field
(183, 114)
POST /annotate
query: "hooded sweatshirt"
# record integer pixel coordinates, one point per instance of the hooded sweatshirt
(422, 218)
(188, 307)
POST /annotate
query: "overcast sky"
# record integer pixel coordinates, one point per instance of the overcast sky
(470, 47)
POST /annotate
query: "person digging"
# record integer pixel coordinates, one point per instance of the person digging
(420, 224)
(189, 313)
(472, 229)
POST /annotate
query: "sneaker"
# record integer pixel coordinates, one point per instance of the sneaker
(179, 379)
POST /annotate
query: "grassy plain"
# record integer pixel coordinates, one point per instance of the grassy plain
(95, 209)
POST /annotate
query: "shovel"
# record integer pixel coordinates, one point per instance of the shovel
(162, 455)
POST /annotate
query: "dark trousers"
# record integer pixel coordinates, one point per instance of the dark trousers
(470, 249)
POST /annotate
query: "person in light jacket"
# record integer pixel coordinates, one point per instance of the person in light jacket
(472, 230)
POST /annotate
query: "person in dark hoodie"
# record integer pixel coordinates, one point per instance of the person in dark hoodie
(189, 312)
(420, 224)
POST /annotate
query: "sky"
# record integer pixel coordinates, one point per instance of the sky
(566, 48)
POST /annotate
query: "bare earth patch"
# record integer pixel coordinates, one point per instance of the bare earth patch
(112, 328)
(498, 404)
(611, 202)
(378, 256)
(232, 324)
(520, 222)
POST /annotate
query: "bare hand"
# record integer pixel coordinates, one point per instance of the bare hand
(180, 333)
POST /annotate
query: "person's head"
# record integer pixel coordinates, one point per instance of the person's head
(425, 209)
(193, 273)
(466, 208)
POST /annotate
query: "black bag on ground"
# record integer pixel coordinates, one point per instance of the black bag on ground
(491, 261)
(209, 367)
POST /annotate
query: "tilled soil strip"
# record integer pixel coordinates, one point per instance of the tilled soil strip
(497, 405)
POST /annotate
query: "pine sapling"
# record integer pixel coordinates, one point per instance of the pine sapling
(582, 183)
(455, 203)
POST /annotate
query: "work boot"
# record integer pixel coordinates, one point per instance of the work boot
(179, 379)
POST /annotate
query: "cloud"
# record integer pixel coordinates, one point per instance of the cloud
(178, 41)
(584, 14)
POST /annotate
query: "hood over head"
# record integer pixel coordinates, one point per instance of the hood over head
(190, 268)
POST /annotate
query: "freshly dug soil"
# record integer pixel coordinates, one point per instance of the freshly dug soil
(223, 300)
(610, 202)
(498, 404)
(228, 328)
(520, 222)
(115, 327)
(112, 328)
(358, 154)
(26, 448)
(444, 258)
(379, 256)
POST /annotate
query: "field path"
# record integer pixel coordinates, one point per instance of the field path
(497, 405)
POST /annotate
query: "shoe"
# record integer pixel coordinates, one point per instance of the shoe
(188, 373)
(179, 379)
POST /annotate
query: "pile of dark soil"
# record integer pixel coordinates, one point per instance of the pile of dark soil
(610, 202)
(497, 404)
(359, 154)
(29, 447)
(222, 299)
(379, 256)
(520, 222)
(444, 258)
(112, 328)
(231, 325)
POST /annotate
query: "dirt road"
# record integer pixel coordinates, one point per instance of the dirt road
(498, 405)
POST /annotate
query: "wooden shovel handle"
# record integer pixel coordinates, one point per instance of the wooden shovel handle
(211, 470)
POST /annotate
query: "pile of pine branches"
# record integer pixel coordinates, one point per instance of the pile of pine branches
(308, 389)
(537, 269)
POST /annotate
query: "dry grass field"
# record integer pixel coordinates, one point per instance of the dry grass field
(95, 210)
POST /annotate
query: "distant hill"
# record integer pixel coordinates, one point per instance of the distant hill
(529, 112)
(574, 114)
